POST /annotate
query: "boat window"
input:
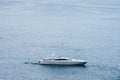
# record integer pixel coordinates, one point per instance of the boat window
(61, 59)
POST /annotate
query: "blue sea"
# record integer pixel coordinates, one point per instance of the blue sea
(80, 29)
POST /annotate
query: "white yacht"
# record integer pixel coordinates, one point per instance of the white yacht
(58, 60)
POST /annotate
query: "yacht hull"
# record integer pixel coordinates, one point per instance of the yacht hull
(61, 63)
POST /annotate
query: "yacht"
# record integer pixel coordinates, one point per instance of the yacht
(59, 60)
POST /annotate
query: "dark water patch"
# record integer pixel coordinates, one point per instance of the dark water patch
(106, 67)
(1, 38)
(59, 6)
(106, 72)
(8, 3)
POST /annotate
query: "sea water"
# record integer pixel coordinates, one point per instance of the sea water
(80, 29)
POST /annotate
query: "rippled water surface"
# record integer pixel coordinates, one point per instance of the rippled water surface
(81, 29)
